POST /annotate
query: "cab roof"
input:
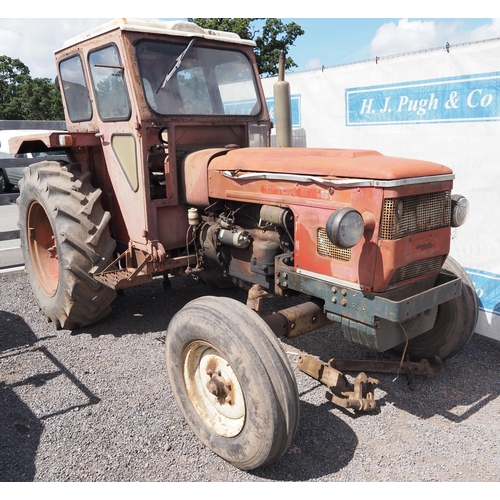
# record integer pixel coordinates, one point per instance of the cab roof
(177, 28)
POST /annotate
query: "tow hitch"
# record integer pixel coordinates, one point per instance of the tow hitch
(361, 397)
(342, 393)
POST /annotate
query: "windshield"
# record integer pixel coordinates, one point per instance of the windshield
(207, 82)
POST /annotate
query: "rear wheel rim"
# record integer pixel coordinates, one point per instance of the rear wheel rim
(42, 249)
(214, 389)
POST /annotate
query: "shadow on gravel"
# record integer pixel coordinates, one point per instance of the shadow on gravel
(323, 445)
(20, 428)
(149, 308)
(465, 384)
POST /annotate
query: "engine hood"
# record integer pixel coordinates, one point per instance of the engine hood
(346, 163)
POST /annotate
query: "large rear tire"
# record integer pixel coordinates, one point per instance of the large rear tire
(65, 239)
(455, 322)
(232, 381)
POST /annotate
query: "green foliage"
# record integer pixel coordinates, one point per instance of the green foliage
(26, 98)
(271, 38)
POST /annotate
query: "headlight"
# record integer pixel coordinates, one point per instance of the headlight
(345, 227)
(459, 210)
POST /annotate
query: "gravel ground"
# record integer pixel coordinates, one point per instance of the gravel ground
(95, 405)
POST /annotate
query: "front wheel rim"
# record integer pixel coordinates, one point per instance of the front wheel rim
(42, 249)
(213, 389)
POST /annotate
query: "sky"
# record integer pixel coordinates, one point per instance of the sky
(332, 36)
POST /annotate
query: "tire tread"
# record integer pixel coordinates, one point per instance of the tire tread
(83, 241)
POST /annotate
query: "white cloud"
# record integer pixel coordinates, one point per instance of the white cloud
(406, 36)
(485, 31)
(33, 41)
(409, 36)
(313, 64)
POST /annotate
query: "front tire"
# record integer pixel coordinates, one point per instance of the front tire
(232, 381)
(65, 238)
(455, 322)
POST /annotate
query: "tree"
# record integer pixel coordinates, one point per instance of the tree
(272, 38)
(38, 99)
(13, 74)
(26, 98)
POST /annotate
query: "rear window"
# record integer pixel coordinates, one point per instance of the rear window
(75, 89)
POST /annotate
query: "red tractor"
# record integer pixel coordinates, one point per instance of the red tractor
(170, 173)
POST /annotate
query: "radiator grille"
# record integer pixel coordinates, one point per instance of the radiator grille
(414, 214)
(417, 268)
(327, 249)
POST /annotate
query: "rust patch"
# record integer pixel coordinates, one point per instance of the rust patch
(425, 246)
(212, 366)
(229, 399)
(297, 191)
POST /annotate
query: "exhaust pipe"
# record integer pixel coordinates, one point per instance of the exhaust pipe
(282, 107)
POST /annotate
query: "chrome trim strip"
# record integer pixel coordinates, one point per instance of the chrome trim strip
(338, 182)
(329, 279)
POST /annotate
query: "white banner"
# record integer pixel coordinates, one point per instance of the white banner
(437, 106)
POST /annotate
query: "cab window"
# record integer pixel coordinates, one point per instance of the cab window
(109, 84)
(74, 87)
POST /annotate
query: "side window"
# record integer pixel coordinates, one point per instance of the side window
(75, 90)
(109, 84)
